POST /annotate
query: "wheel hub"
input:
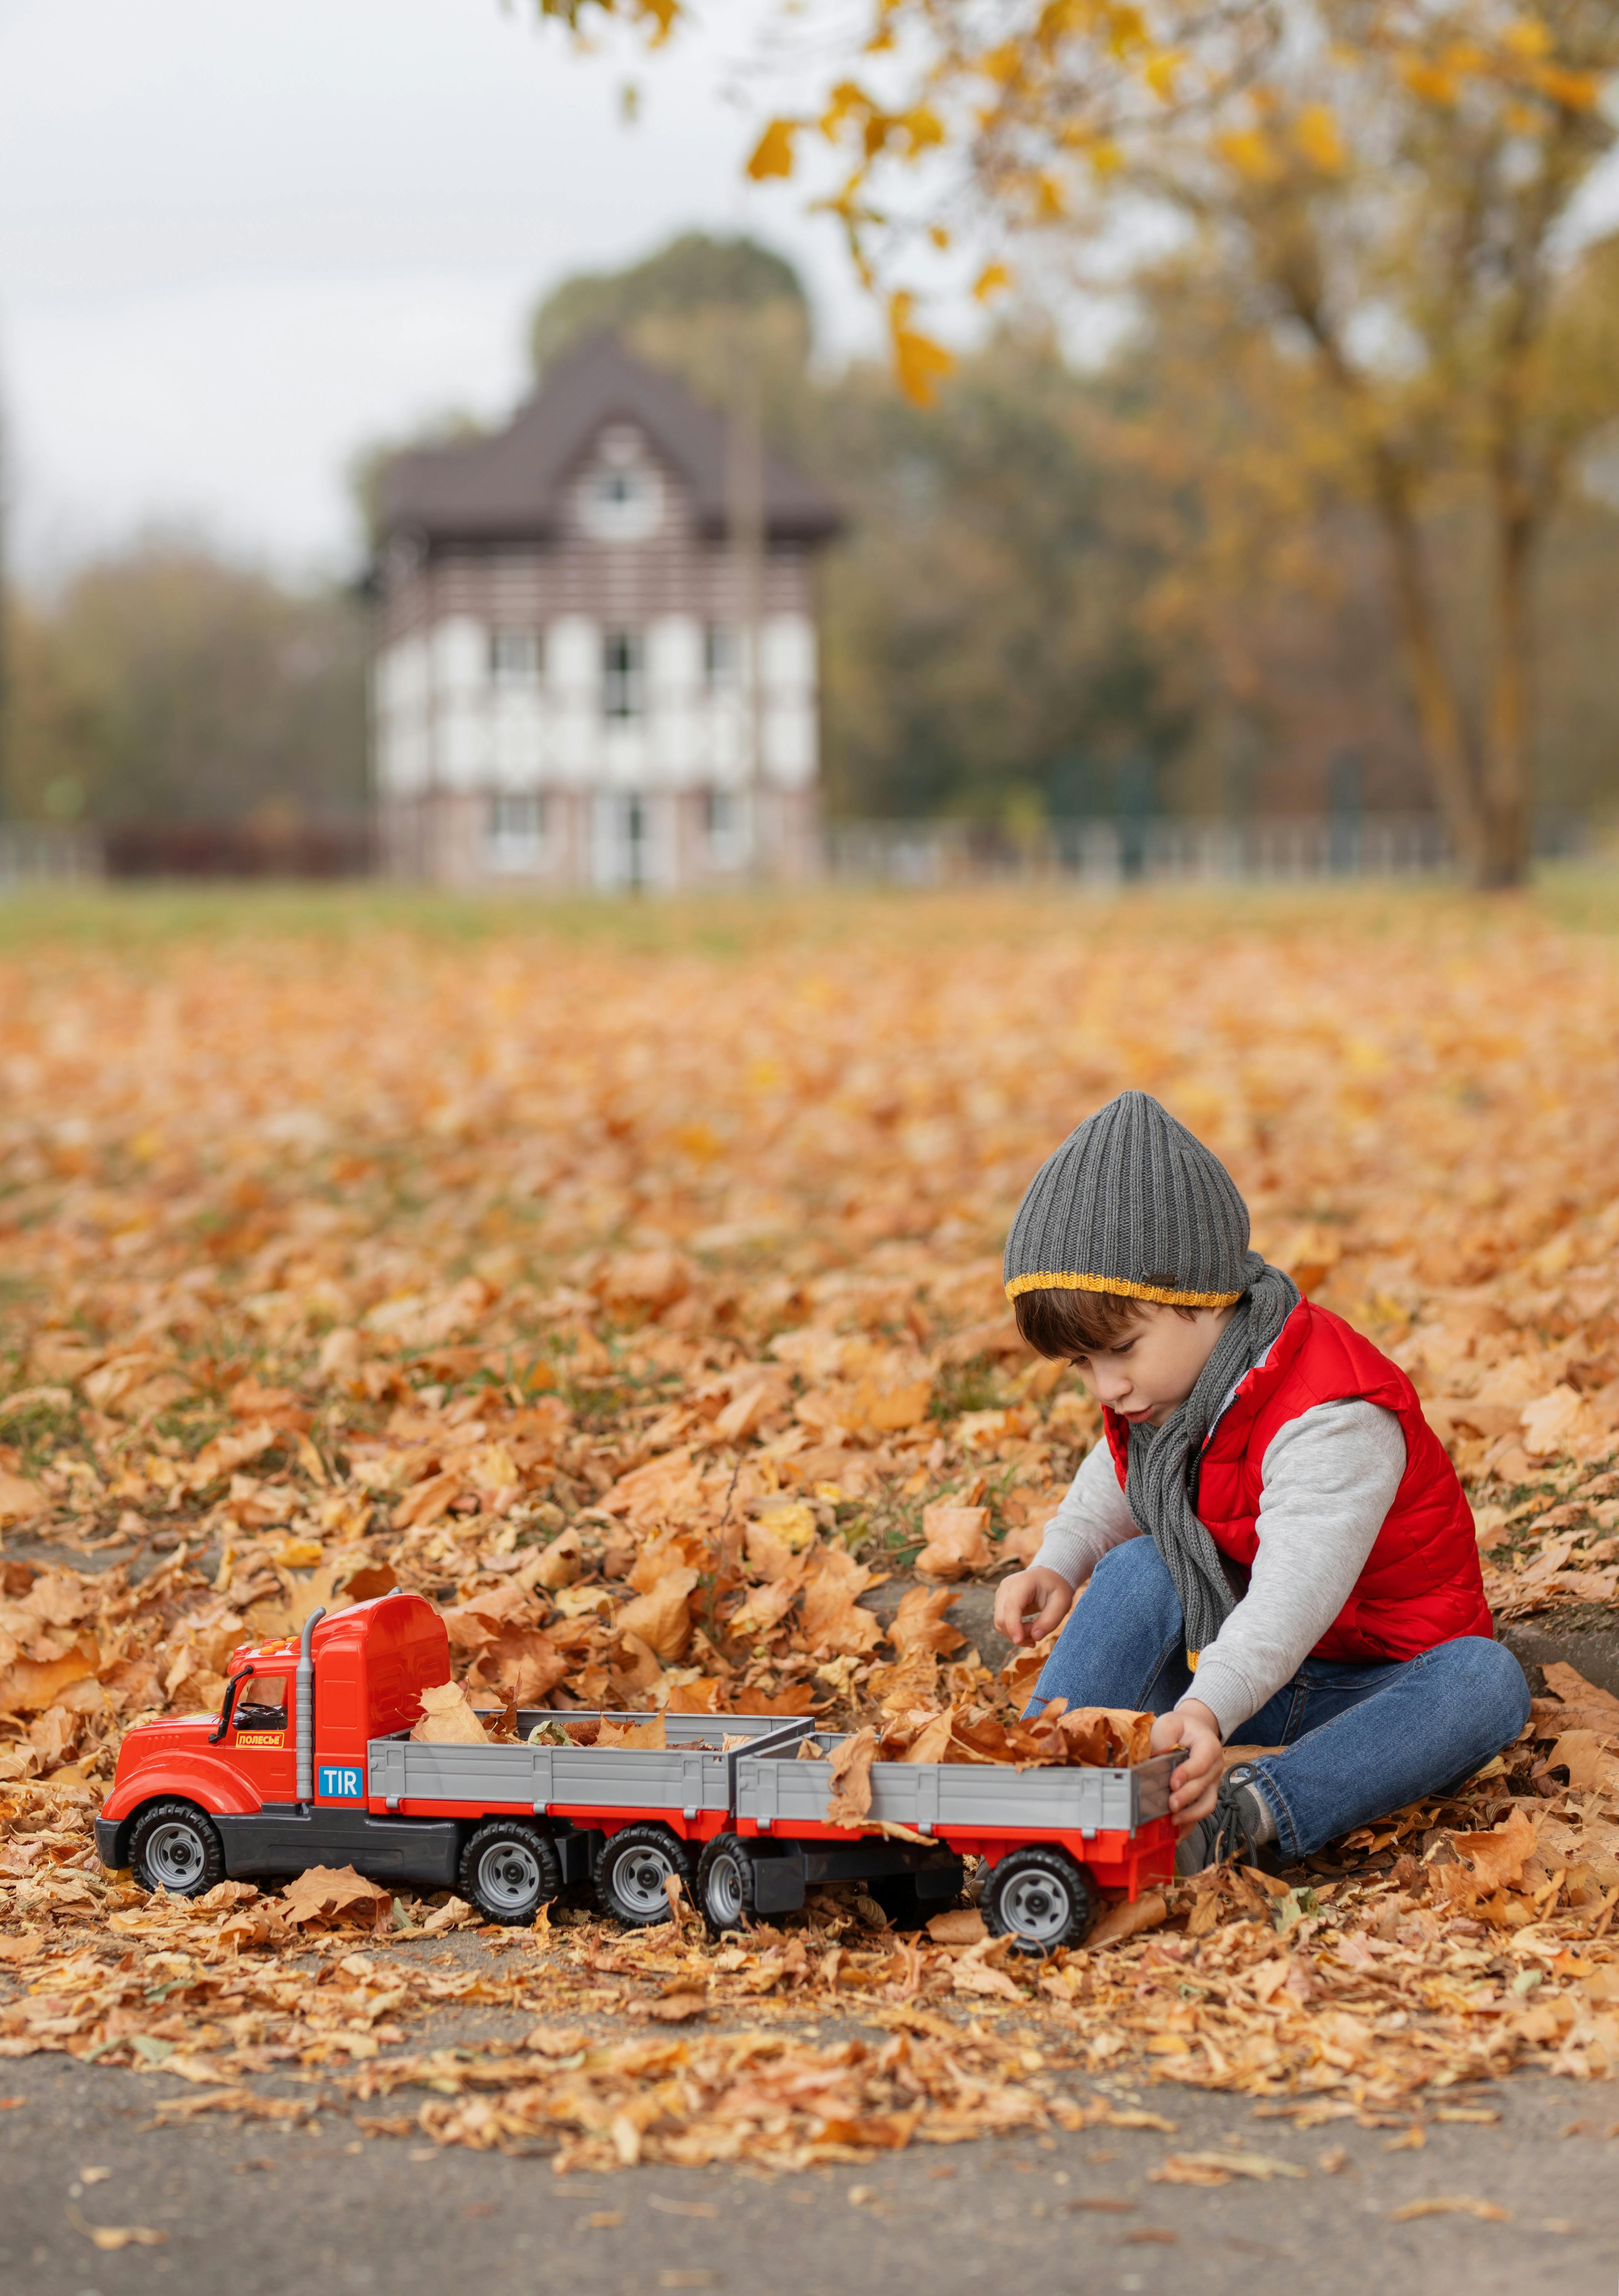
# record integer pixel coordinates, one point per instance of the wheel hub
(639, 1876)
(725, 1890)
(174, 1855)
(508, 1876)
(1036, 1906)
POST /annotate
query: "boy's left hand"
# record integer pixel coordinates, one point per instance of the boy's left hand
(1195, 1784)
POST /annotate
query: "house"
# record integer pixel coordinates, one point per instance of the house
(563, 693)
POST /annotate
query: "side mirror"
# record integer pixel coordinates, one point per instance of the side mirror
(231, 1689)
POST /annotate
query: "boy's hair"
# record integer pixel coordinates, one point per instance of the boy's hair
(1065, 1323)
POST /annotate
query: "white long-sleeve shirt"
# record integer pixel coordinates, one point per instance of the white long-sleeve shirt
(1327, 1481)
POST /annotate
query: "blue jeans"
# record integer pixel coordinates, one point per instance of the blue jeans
(1359, 1739)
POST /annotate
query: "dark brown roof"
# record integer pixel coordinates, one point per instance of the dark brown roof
(511, 486)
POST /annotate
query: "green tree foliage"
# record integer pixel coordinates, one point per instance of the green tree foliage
(166, 683)
(693, 274)
(983, 652)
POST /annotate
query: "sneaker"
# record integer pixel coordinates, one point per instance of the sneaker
(1234, 1828)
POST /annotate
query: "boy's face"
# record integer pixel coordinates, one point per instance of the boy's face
(1153, 1366)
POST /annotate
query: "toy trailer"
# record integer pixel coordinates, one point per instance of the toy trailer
(310, 1762)
(1051, 1839)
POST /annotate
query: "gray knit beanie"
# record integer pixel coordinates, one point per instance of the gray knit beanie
(1133, 1203)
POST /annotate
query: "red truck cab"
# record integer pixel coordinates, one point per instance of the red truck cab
(279, 1774)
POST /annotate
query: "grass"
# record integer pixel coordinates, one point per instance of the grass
(133, 918)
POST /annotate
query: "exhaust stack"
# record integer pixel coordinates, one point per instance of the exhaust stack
(306, 1707)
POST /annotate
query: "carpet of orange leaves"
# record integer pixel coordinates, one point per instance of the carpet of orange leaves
(641, 1307)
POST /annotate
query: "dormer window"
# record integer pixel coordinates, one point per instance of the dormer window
(622, 500)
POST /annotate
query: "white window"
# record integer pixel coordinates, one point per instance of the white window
(623, 676)
(516, 841)
(721, 656)
(622, 495)
(514, 657)
(725, 821)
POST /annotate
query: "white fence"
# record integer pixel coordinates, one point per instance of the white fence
(33, 854)
(1282, 849)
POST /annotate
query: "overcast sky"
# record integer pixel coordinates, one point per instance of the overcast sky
(239, 238)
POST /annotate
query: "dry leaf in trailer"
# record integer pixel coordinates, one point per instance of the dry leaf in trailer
(448, 1719)
(849, 1802)
(653, 1732)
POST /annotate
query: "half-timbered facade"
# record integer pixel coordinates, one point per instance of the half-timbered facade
(564, 690)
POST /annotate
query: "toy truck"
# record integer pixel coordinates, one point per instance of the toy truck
(310, 1762)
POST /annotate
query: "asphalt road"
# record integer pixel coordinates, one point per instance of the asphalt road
(255, 2211)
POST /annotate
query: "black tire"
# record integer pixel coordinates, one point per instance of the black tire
(509, 1870)
(1040, 1898)
(725, 1885)
(173, 1847)
(632, 1868)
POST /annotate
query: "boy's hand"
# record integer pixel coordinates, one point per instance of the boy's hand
(1045, 1592)
(1195, 1784)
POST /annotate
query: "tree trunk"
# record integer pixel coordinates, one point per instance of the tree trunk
(1440, 721)
(1509, 761)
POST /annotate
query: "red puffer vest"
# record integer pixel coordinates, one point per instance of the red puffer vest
(1421, 1583)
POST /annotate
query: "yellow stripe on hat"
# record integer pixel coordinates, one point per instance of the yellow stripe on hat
(1064, 1280)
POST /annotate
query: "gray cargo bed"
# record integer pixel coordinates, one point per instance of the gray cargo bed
(687, 1776)
(782, 1793)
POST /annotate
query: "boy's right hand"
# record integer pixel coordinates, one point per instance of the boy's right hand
(1043, 1591)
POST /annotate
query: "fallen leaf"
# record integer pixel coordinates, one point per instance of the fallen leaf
(962, 1925)
(662, 1620)
(1497, 1859)
(1585, 1756)
(920, 1622)
(1125, 1920)
(1450, 2204)
(116, 2236)
(673, 2008)
(954, 1541)
(1220, 2167)
(331, 1894)
(20, 1498)
(1583, 1706)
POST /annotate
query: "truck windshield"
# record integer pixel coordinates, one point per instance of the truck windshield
(261, 1703)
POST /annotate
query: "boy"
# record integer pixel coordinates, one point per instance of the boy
(1276, 1544)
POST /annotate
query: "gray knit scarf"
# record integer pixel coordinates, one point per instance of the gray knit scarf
(1162, 1480)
